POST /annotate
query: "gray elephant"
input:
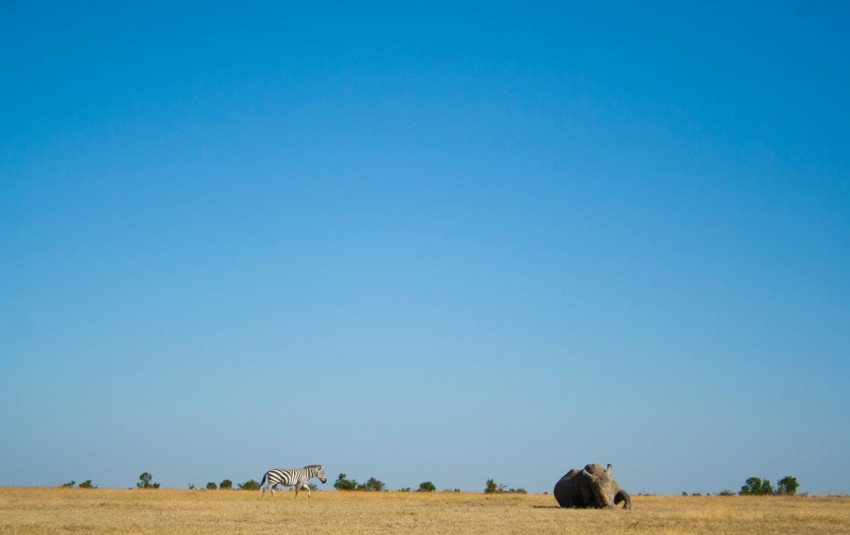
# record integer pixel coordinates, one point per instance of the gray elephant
(592, 486)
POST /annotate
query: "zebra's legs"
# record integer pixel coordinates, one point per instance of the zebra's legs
(302, 485)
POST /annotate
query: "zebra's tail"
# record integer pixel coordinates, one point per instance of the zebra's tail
(263, 481)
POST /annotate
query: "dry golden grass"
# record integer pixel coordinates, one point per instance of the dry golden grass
(58, 510)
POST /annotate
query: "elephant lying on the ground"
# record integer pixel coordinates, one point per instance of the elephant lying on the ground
(591, 487)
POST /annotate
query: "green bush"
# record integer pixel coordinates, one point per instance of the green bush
(226, 485)
(146, 482)
(492, 488)
(343, 483)
(426, 486)
(756, 487)
(249, 485)
(211, 486)
(84, 485)
(787, 486)
(373, 485)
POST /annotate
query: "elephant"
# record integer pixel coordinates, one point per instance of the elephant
(592, 486)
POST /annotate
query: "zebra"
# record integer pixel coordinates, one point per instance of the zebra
(292, 477)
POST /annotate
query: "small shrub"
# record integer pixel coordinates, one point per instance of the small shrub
(69, 485)
(87, 484)
(249, 485)
(343, 483)
(146, 482)
(492, 488)
(373, 485)
(787, 486)
(226, 485)
(426, 486)
(211, 486)
(754, 486)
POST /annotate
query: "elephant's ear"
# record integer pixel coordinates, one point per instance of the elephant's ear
(588, 474)
(608, 470)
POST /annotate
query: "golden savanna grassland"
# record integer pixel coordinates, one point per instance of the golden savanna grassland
(60, 510)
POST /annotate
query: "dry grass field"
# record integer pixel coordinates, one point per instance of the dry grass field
(59, 510)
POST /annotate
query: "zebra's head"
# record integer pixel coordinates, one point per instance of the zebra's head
(320, 473)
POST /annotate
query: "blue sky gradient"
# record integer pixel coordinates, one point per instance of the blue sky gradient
(425, 242)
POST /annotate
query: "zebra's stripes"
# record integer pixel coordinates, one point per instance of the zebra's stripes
(292, 477)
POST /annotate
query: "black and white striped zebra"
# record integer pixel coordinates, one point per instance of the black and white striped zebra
(292, 477)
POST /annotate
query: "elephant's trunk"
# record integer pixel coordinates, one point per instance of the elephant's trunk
(623, 496)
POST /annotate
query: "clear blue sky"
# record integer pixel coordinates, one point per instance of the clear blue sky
(420, 242)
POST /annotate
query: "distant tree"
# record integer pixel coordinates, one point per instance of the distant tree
(211, 486)
(146, 482)
(492, 488)
(249, 485)
(787, 486)
(404, 489)
(343, 483)
(426, 486)
(756, 487)
(226, 485)
(87, 484)
(372, 485)
(752, 487)
(726, 492)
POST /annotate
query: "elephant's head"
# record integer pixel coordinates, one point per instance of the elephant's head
(605, 489)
